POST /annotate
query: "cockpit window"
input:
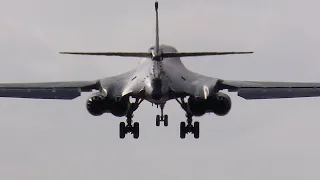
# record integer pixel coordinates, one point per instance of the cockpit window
(151, 49)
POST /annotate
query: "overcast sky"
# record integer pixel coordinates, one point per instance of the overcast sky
(267, 139)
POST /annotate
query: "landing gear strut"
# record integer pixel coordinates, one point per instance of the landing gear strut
(162, 117)
(129, 128)
(188, 127)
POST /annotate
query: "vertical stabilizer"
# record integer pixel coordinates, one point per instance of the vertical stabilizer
(157, 30)
(155, 54)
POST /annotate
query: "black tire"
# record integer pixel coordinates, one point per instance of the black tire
(196, 130)
(136, 131)
(122, 130)
(165, 120)
(182, 130)
(158, 120)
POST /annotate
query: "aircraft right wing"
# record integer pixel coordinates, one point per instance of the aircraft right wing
(47, 90)
(202, 86)
(270, 90)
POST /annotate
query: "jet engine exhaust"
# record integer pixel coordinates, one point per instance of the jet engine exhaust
(98, 104)
(220, 104)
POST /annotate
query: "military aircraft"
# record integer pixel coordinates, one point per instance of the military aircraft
(160, 77)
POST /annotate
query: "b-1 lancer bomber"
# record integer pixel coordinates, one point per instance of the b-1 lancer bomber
(160, 77)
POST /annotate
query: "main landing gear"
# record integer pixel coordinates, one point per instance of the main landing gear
(188, 127)
(162, 117)
(129, 128)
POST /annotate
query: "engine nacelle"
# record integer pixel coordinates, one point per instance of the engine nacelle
(95, 104)
(98, 104)
(120, 108)
(197, 106)
(220, 104)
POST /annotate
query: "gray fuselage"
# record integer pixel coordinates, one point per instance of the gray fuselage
(161, 77)
(158, 81)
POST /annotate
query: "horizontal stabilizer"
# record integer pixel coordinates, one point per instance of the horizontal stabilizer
(190, 54)
(150, 55)
(123, 54)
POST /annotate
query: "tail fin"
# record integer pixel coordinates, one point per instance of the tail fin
(156, 54)
(157, 29)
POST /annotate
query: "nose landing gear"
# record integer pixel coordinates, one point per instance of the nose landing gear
(162, 118)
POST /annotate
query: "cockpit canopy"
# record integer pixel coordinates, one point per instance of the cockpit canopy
(164, 48)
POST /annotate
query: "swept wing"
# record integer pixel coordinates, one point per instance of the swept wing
(270, 90)
(47, 90)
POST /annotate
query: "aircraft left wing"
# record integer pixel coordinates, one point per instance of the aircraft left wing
(47, 90)
(270, 90)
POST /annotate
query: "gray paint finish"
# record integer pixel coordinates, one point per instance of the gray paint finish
(258, 140)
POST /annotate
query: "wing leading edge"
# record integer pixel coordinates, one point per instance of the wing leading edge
(47, 90)
(270, 90)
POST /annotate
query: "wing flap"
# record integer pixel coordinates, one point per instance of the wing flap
(235, 85)
(83, 85)
(270, 90)
(275, 93)
(47, 90)
(59, 93)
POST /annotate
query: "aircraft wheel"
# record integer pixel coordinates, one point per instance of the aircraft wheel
(122, 130)
(165, 120)
(182, 130)
(135, 130)
(158, 120)
(196, 129)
